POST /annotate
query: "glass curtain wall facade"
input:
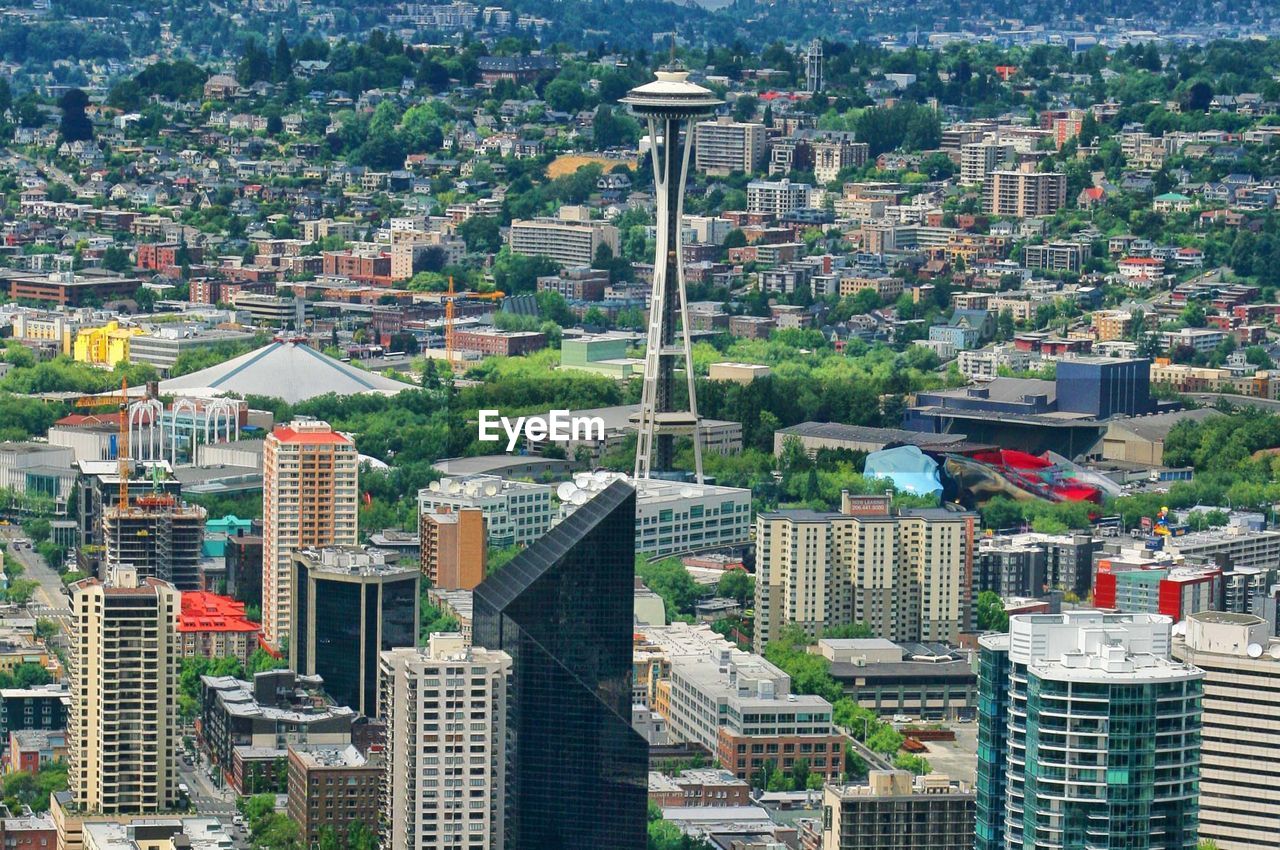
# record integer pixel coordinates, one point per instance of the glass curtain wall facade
(577, 773)
(1086, 758)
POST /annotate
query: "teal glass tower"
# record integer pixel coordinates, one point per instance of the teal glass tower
(1088, 737)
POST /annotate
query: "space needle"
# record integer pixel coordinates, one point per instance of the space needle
(669, 105)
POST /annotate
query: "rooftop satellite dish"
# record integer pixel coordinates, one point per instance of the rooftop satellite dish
(1179, 628)
(453, 487)
(434, 486)
(1254, 650)
(1275, 652)
(687, 492)
(565, 491)
(601, 476)
(491, 488)
(580, 498)
(581, 478)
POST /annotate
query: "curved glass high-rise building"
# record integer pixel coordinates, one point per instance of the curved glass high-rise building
(1089, 736)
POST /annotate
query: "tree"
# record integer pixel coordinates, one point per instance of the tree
(282, 67)
(482, 234)
(563, 95)
(116, 259)
(75, 125)
(991, 613)
(737, 584)
(744, 108)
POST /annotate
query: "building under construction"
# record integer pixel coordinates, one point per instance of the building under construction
(98, 490)
(157, 534)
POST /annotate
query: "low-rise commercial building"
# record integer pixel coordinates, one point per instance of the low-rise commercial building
(926, 681)
(515, 512)
(739, 706)
(246, 726)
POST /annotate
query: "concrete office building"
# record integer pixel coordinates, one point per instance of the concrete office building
(516, 513)
(777, 197)
(1089, 735)
(349, 605)
(738, 705)
(1024, 193)
(163, 348)
(452, 548)
(157, 535)
(123, 726)
(1239, 774)
(310, 499)
(570, 239)
(930, 681)
(723, 146)
(445, 706)
(332, 787)
(38, 471)
(673, 518)
(906, 573)
(896, 810)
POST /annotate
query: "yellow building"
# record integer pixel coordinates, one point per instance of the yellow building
(104, 346)
(51, 328)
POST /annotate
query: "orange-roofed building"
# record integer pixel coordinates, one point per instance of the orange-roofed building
(309, 500)
(213, 626)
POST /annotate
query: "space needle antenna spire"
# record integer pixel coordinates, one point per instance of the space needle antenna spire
(669, 105)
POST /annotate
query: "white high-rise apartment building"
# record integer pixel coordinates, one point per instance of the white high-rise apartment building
(723, 146)
(122, 731)
(445, 706)
(778, 196)
(903, 573)
(310, 499)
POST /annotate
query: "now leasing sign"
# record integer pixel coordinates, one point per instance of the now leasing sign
(558, 426)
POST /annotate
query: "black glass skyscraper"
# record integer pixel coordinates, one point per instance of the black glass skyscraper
(577, 773)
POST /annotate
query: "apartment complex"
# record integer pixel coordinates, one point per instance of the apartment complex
(836, 152)
(1088, 736)
(723, 146)
(1239, 775)
(123, 725)
(452, 548)
(777, 197)
(906, 574)
(445, 767)
(213, 626)
(736, 704)
(158, 535)
(309, 500)
(332, 787)
(570, 239)
(516, 513)
(349, 604)
(1023, 193)
(899, 811)
(978, 159)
